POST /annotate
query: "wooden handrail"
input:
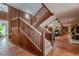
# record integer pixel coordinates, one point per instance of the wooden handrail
(42, 9)
(42, 15)
(30, 25)
(26, 23)
(46, 30)
(14, 18)
(40, 18)
(59, 22)
(35, 36)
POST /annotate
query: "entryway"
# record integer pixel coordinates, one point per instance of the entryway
(4, 28)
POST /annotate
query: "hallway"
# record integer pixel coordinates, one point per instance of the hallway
(63, 47)
(9, 49)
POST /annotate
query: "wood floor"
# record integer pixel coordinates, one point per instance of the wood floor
(9, 49)
(63, 47)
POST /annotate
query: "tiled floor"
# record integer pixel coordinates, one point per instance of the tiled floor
(63, 47)
(9, 49)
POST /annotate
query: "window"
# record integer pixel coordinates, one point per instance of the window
(3, 8)
(27, 16)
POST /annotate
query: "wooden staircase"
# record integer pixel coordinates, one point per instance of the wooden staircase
(42, 15)
(26, 36)
(31, 36)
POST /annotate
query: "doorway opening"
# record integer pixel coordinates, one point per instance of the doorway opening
(4, 28)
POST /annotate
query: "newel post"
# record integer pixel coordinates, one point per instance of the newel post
(43, 43)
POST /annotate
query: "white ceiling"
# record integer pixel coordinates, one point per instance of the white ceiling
(58, 8)
(30, 8)
(67, 13)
